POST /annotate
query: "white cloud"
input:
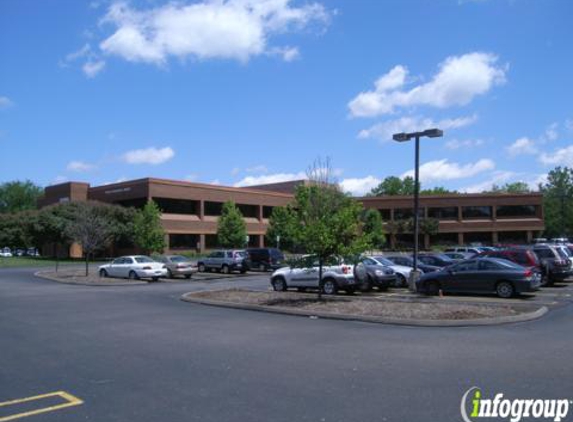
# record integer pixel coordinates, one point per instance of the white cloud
(59, 179)
(455, 144)
(499, 177)
(551, 133)
(270, 178)
(149, 156)
(191, 177)
(80, 166)
(569, 124)
(288, 54)
(384, 130)
(562, 156)
(222, 29)
(359, 186)
(5, 102)
(92, 68)
(458, 80)
(445, 170)
(257, 169)
(522, 146)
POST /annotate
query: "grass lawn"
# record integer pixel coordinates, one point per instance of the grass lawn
(26, 261)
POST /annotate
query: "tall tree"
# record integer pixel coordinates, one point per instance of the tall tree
(231, 228)
(327, 221)
(513, 187)
(148, 232)
(393, 185)
(558, 202)
(281, 228)
(90, 227)
(373, 228)
(437, 190)
(18, 196)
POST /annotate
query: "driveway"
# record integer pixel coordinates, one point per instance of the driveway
(137, 353)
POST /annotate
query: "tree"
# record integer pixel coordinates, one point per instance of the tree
(90, 227)
(231, 228)
(436, 190)
(281, 224)
(148, 232)
(18, 196)
(373, 228)
(50, 226)
(327, 220)
(558, 202)
(514, 187)
(393, 185)
(16, 229)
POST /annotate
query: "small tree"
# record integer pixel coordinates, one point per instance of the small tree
(148, 232)
(231, 228)
(18, 196)
(327, 221)
(90, 228)
(373, 228)
(281, 224)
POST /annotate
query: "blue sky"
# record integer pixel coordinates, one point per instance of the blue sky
(240, 92)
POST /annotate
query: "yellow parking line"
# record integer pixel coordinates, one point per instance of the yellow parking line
(70, 401)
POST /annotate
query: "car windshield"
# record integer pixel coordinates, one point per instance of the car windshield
(179, 258)
(562, 253)
(384, 261)
(143, 259)
(444, 257)
(240, 254)
(505, 264)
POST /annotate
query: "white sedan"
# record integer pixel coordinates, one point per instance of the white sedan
(134, 267)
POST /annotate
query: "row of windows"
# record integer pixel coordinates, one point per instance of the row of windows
(473, 212)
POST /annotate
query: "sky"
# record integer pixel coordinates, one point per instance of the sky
(245, 92)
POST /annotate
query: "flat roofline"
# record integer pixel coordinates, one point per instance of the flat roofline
(150, 180)
(452, 196)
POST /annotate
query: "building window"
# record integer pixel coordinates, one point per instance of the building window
(403, 213)
(484, 212)
(443, 213)
(176, 206)
(213, 208)
(385, 214)
(248, 211)
(267, 211)
(137, 203)
(508, 211)
(183, 241)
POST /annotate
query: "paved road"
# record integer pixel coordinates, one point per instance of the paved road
(137, 353)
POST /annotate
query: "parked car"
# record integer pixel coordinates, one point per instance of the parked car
(225, 261)
(177, 265)
(555, 264)
(5, 253)
(336, 275)
(481, 275)
(264, 259)
(520, 255)
(32, 252)
(465, 249)
(134, 267)
(435, 259)
(402, 272)
(459, 256)
(378, 275)
(559, 240)
(408, 261)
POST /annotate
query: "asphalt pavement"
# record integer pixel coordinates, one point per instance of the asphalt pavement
(138, 353)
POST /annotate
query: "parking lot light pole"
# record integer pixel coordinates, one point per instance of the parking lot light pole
(404, 137)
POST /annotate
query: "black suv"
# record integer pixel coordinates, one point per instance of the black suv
(555, 263)
(264, 259)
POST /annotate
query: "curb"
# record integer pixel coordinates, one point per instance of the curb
(529, 316)
(40, 274)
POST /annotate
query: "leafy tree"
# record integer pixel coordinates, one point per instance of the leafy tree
(437, 190)
(429, 226)
(373, 228)
(558, 202)
(90, 227)
(281, 223)
(514, 187)
(327, 221)
(231, 228)
(18, 196)
(50, 226)
(147, 230)
(16, 229)
(393, 185)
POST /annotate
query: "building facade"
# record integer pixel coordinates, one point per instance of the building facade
(190, 211)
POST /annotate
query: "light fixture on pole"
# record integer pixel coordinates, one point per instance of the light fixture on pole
(404, 137)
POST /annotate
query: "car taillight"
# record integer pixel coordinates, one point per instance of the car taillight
(146, 268)
(528, 273)
(346, 269)
(561, 263)
(181, 265)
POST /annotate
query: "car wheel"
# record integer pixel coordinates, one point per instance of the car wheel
(103, 273)
(400, 281)
(133, 275)
(201, 267)
(329, 287)
(262, 268)
(187, 276)
(279, 284)
(366, 286)
(225, 269)
(505, 289)
(155, 278)
(432, 288)
(170, 274)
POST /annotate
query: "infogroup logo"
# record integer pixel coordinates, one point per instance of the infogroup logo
(513, 410)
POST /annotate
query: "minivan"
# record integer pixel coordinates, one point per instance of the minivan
(263, 259)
